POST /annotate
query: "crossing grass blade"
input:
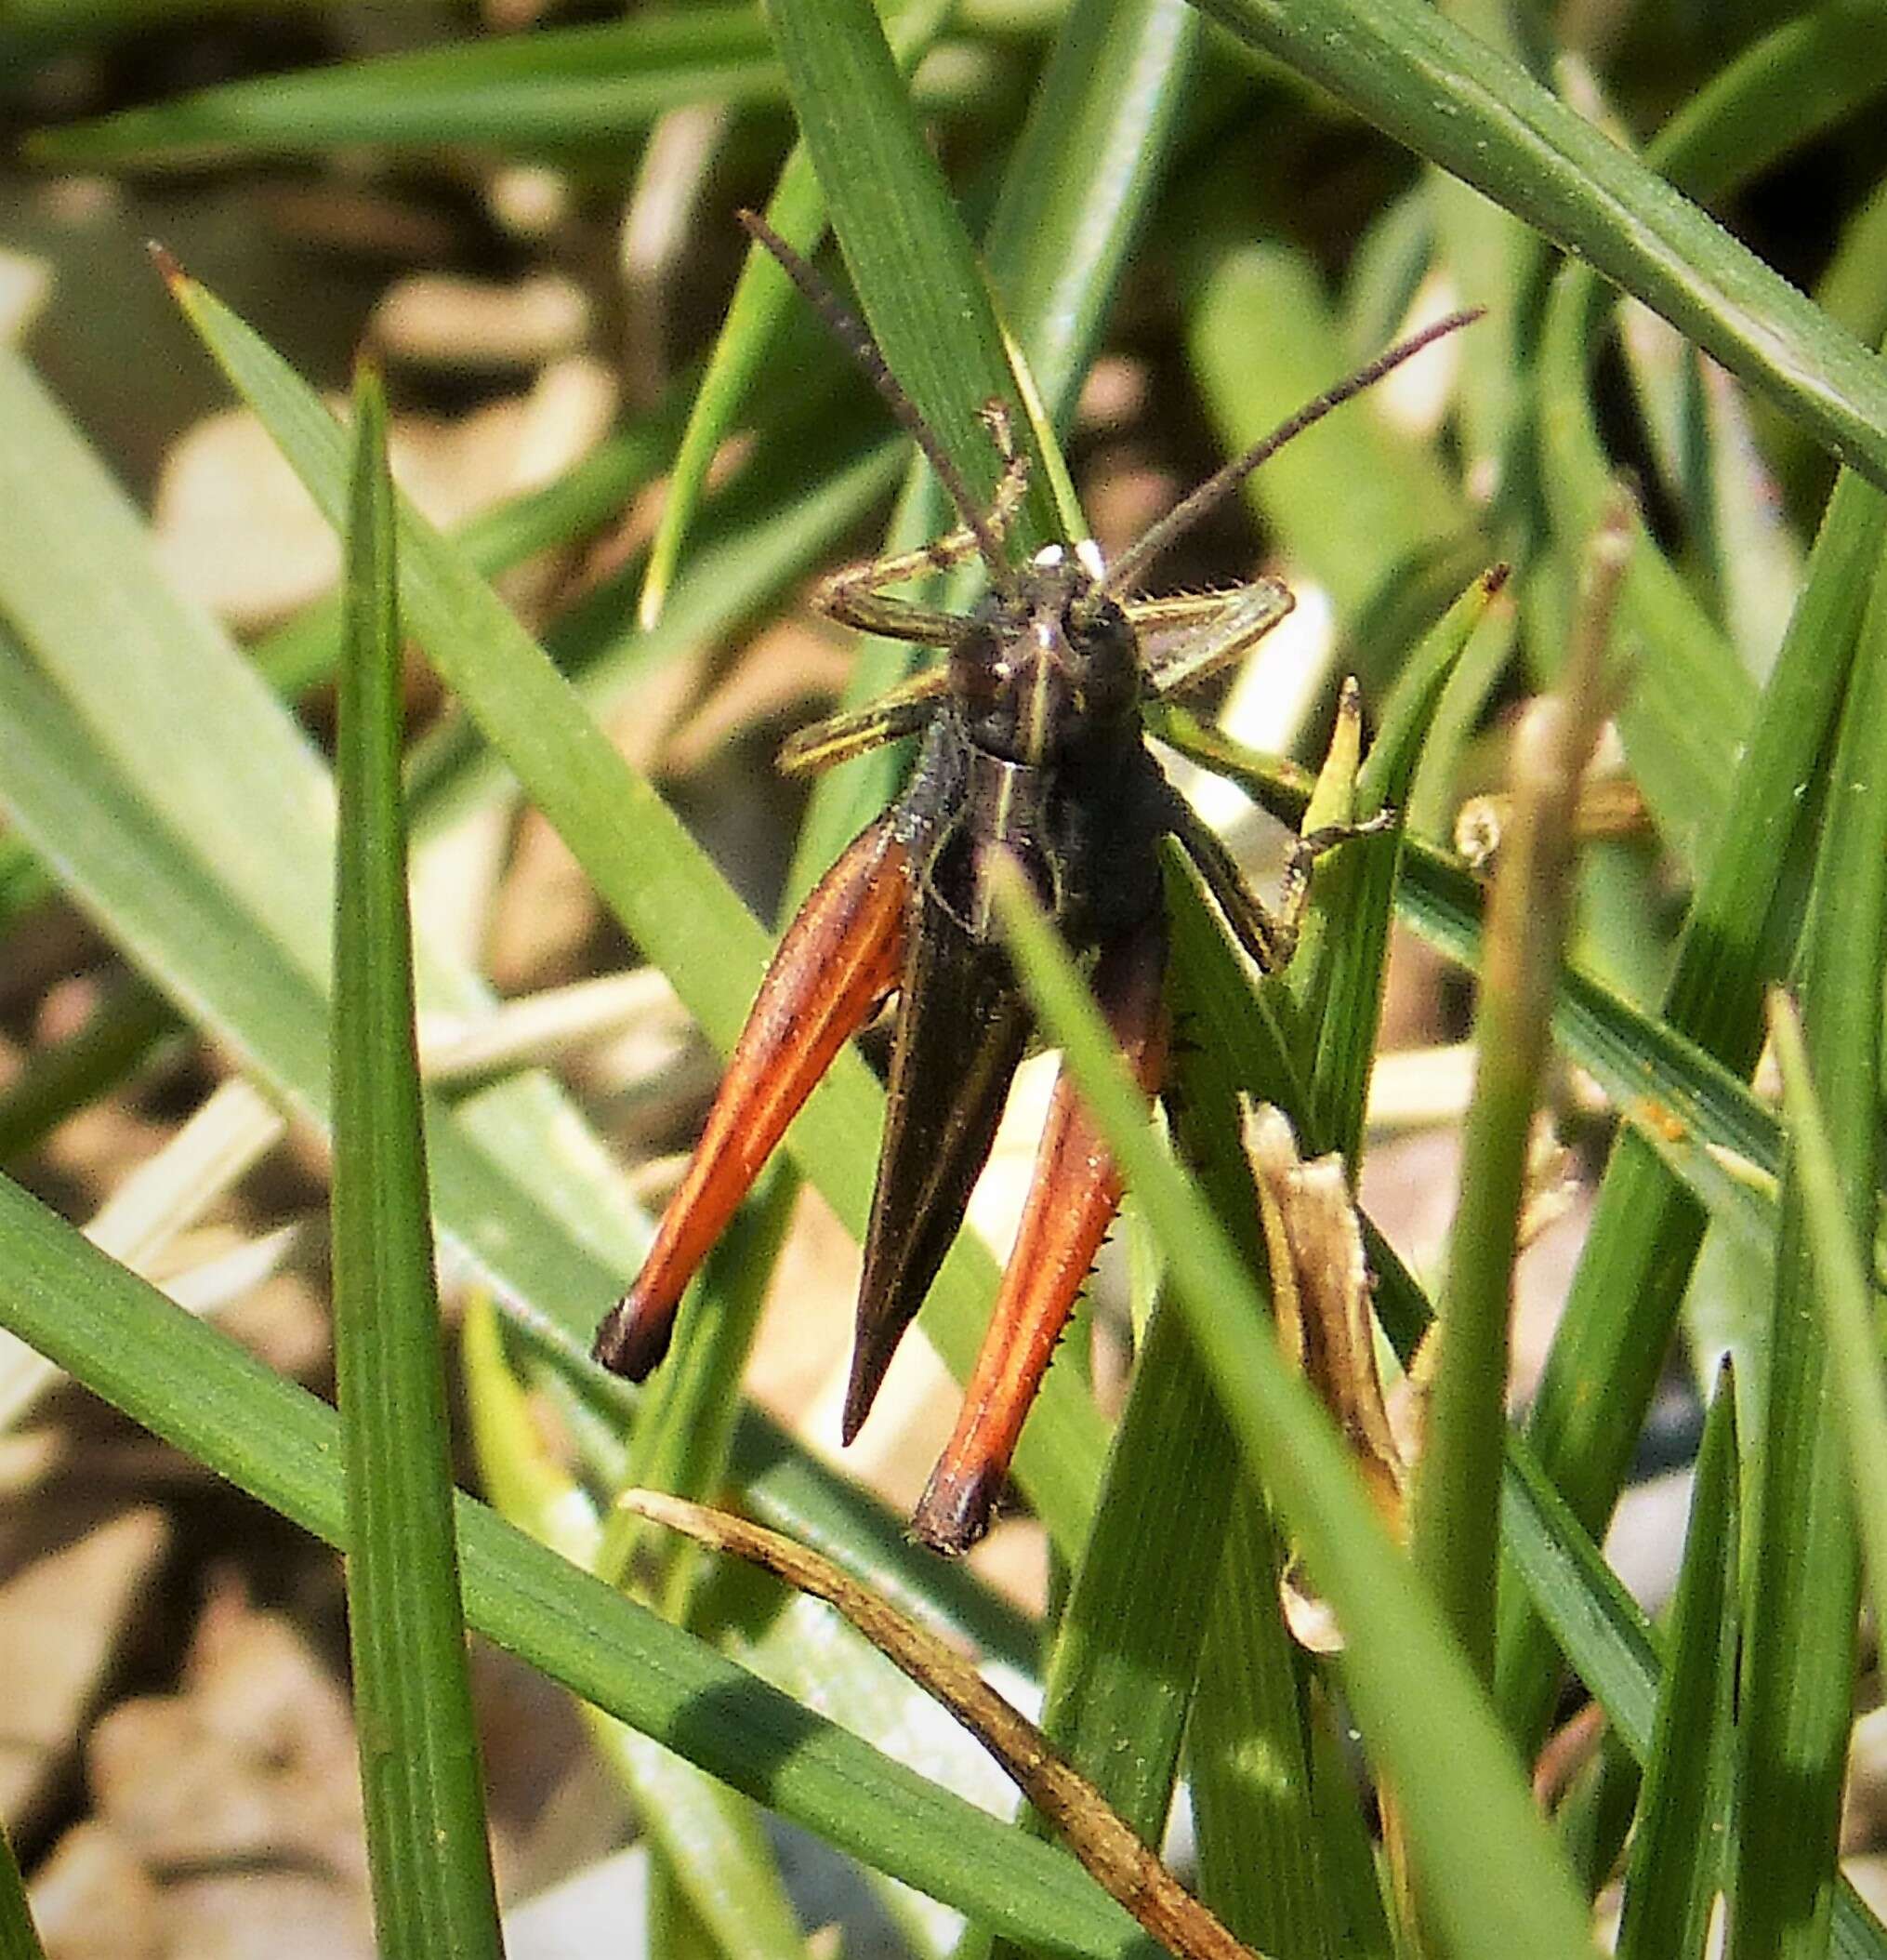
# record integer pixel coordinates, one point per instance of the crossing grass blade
(649, 870)
(195, 1387)
(421, 1779)
(1800, 1652)
(1846, 1299)
(1480, 116)
(1431, 1732)
(529, 92)
(1678, 1865)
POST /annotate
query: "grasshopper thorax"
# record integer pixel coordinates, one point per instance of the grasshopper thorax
(1048, 667)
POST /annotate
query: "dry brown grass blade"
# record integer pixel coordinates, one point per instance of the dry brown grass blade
(1078, 1813)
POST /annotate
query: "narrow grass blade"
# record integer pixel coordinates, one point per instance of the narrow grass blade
(198, 1390)
(1455, 1512)
(420, 1772)
(1610, 1645)
(650, 873)
(1263, 1847)
(1646, 1230)
(1480, 116)
(1350, 1006)
(1487, 1860)
(1800, 1654)
(761, 298)
(130, 1026)
(917, 277)
(553, 88)
(684, 1429)
(19, 1936)
(1799, 78)
(301, 654)
(1678, 1865)
(707, 1840)
(1082, 176)
(1845, 1297)
(1126, 1654)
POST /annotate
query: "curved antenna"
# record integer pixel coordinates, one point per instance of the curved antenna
(1125, 569)
(851, 331)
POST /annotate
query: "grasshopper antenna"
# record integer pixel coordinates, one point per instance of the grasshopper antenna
(1125, 571)
(851, 331)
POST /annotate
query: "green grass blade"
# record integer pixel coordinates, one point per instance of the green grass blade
(918, 280)
(1480, 116)
(1646, 1228)
(1610, 1645)
(1801, 78)
(1693, 1114)
(1689, 705)
(1262, 1844)
(548, 88)
(707, 1838)
(1677, 1864)
(420, 1773)
(1081, 177)
(652, 874)
(197, 1389)
(1798, 1659)
(1844, 1294)
(762, 298)
(131, 1024)
(1487, 1860)
(1455, 1510)
(19, 1936)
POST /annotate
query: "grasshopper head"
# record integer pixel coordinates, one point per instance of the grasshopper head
(1052, 667)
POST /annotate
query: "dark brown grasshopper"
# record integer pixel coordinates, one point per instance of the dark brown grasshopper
(1032, 744)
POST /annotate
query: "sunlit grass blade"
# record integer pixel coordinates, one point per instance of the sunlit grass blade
(1678, 1864)
(1081, 177)
(198, 1390)
(761, 298)
(917, 278)
(1351, 1003)
(1799, 1650)
(1646, 1230)
(1689, 703)
(1609, 1644)
(549, 88)
(1477, 113)
(1126, 1654)
(1455, 1512)
(650, 873)
(1844, 1294)
(1431, 1732)
(707, 1840)
(421, 1776)
(684, 1429)
(797, 211)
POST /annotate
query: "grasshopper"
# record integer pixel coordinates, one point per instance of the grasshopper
(1030, 743)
